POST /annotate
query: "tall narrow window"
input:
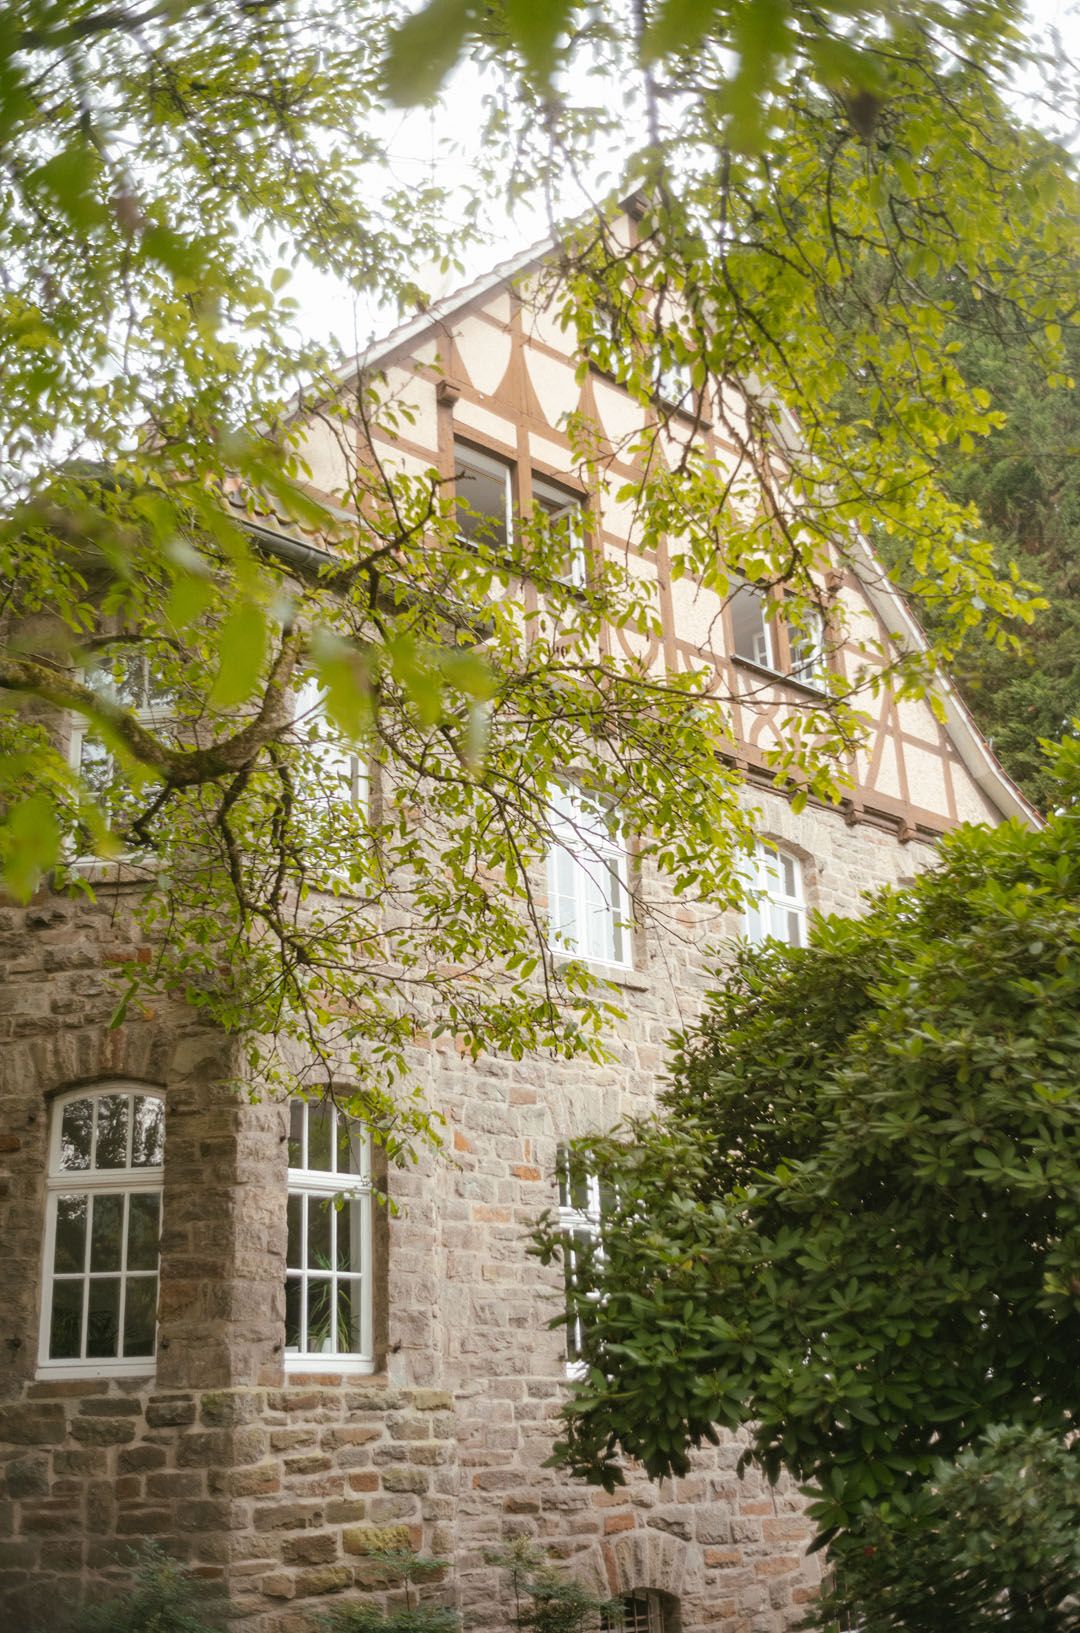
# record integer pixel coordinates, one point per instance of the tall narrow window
(328, 1291)
(566, 522)
(482, 490)
(579, 1220)
(99, 1310)
(751, 634)
(588, 897)
(778, 907)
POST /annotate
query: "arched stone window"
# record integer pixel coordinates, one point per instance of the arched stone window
(102, 1224)
(644, 1610)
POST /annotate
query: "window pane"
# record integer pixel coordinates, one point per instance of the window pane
(70, 1253)
(750, 633)
(292, 1313)
(65, 1327)
(294, 1252)
(143, 1229)
(112, 1131)
(320, 1228)
(601, 892)
(96, 766)
(103, 1317)
(350, 1145)
(105, 1232)
(565, 520)
(148, 1132)
(350, 1226)
(296, 1134)
(349, 1336)
(808, 649)
(75, 1130)
(320, 1315)
(140, 1315)
(562, 890)
(320, 1138)
(482, 500)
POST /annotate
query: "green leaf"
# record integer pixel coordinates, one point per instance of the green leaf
(424, 49)
(71, 178)
(535, 29)
(243, 642)
(31, 845)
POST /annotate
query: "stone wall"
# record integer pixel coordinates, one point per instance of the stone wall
(274, 1496)
(270, 1487)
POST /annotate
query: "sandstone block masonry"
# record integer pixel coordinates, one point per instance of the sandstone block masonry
(274, 1496)
(275, 1486)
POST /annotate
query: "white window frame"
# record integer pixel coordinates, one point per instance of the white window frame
(675, 385)
(564, 502)
(765, 654)
(764, 875)
(595, 856)
(125, 1181)
(575, 1222)
(324, 1185)
(490, 465)
(812, 666)
(154, 716)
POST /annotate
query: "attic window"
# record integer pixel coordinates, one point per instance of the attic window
(484, 499)
(751, 634)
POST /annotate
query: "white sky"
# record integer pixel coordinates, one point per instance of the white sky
(421, 152)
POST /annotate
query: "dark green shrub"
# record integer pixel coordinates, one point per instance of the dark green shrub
(993, 1542)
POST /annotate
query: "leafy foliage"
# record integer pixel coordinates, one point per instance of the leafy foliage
(163, 1597)
(994, 1541)
(1023, 479)
(855, 1224)
(164, 168)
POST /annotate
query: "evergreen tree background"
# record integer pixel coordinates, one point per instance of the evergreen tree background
(1025, 480)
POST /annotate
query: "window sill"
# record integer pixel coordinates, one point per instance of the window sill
(807, 688)
(353, 1366)
(617, 975)
(51, 1371)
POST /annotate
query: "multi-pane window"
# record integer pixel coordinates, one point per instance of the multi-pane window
(778, 902)
(99, 1310)
(588, 896)
(133, 684)
(566, 522)
(484, 495)
(579, 1221)
(328, 1281)
(643, 1611)
(751, 632)
(754, 636)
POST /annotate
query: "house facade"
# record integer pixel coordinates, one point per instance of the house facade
(199, 1348)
